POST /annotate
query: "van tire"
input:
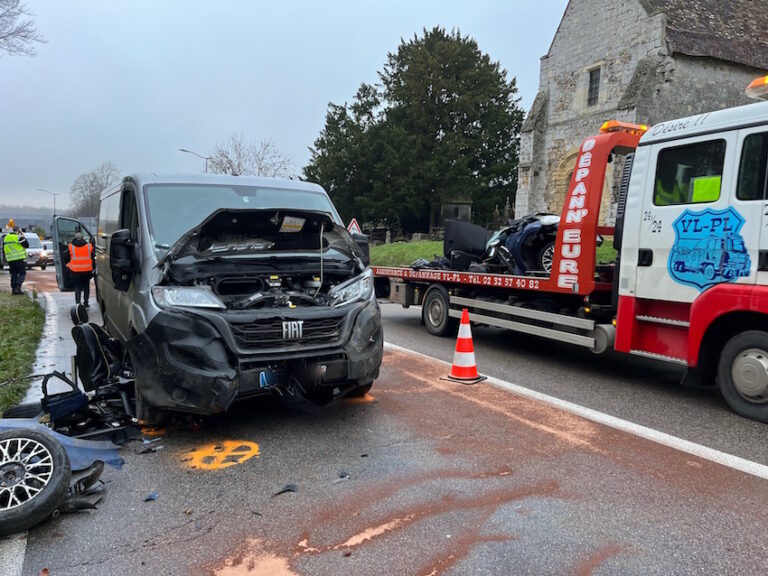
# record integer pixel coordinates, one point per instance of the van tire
(360, 391)
(149, 415)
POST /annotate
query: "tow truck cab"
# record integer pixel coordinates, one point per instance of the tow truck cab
(693, 276)
(690, 282)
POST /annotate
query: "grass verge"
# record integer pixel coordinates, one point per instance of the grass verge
(21, 326)
(404, 253)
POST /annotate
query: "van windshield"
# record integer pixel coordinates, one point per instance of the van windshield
(173, 209)
(34, 241)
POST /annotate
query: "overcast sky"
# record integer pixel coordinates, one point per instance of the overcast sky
(132, 81)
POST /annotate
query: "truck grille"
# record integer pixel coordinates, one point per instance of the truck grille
(269, 333)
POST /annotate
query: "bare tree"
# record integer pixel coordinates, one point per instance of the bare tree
(18, 32)
(87, 188)
(238, 157)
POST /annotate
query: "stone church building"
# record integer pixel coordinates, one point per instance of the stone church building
(641, 61)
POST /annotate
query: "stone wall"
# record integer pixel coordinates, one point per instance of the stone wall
(640, 82)
(695, 85)
(609, 34)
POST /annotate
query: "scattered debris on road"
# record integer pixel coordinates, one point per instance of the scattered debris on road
(152, 497)
(149, 449)
(287, 488)
(343, 477)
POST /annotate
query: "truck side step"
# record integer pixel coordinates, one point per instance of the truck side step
(562, 336)
(666, 321)
(662, 357)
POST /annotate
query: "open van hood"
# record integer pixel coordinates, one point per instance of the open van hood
(232, 232)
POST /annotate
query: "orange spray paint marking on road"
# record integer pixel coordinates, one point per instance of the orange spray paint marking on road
(152, 432)
(367, 399)
(221, 455)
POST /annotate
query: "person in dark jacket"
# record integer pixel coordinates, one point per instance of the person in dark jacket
(81, 265)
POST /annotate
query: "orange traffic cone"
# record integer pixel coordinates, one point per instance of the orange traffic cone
(464, 368)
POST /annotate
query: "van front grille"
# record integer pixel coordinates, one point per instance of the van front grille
(268, 333)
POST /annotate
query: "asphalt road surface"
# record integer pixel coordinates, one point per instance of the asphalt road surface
(635, 389)
(426, 476)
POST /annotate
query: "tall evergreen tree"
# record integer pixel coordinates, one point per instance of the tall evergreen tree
(443, 124)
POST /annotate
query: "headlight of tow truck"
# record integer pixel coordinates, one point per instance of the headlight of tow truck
(358, 288)
(189, 296)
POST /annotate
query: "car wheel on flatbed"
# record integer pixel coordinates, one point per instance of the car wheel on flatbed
(435, 311)
(742, 374)
(34, 478)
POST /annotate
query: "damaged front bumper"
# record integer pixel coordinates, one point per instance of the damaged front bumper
(200, 361)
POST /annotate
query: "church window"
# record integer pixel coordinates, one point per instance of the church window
(594, 87)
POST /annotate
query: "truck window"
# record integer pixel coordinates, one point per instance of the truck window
(689, 174)
(752, 170)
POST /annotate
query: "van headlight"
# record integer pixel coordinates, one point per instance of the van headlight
(190, 296)
(358, 288)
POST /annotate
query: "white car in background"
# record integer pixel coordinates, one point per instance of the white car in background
(36, 254)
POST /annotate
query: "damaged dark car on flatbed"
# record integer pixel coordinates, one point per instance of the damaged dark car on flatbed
(222, 288)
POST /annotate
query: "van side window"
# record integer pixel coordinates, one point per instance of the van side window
(752, 170)
(109, 219)
(129, 217)
(689, 174)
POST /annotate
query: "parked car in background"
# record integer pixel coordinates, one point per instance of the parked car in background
(35, 252)
(46, 255)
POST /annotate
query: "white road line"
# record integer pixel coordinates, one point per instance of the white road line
(704, 452)
(12, 552)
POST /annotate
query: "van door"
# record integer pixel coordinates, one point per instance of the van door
(690, 236)
(64, 230)
(129, 220)
(109, 222)
(751, 196)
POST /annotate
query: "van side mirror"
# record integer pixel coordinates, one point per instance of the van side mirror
(362, 241)
(121, 259)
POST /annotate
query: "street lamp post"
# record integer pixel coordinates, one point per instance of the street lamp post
(54, 199)
(206, 158)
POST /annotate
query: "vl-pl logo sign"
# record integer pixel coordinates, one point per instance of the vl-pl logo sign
(708, 248)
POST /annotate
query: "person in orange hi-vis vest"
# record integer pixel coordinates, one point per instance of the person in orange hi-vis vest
(81, 265)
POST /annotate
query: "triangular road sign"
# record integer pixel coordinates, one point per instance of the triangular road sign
(354, 227)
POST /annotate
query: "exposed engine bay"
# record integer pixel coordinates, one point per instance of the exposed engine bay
(252, 259)
(290, 289)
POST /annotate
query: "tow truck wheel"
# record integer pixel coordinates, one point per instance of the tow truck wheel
(34, 478)
(743, 374)
(434, 311)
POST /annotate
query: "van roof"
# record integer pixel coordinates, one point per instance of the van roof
(711, 122)
(217, 179)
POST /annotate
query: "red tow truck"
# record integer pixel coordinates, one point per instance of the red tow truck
(690, 281)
